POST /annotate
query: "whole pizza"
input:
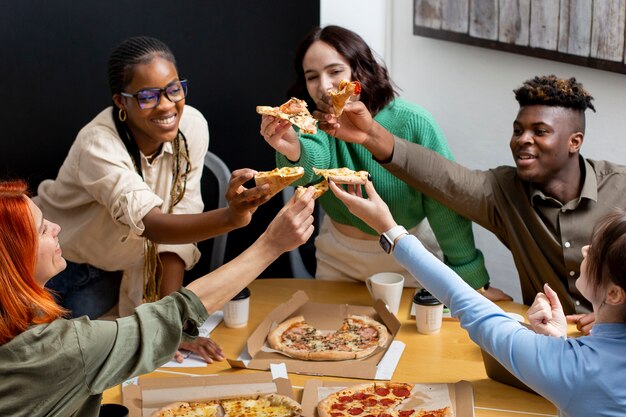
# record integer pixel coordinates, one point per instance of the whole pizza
(268, 405)
(376, 399)
(358, 337)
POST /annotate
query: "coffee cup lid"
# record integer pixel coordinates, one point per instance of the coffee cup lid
(425, 298)
(245, 293)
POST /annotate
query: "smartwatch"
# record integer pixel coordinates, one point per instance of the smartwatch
(390, 237)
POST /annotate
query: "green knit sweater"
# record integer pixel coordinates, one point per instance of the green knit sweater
(409, 207)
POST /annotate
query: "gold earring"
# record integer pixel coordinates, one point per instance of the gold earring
(122, 115)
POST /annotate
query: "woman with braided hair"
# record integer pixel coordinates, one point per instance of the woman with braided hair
(128, 194)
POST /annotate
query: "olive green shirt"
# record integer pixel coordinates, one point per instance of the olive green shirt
(61, 368)
(545, 236)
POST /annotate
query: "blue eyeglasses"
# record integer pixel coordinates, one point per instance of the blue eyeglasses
(150, 97)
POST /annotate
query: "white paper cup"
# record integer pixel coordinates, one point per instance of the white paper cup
(388, 287)
(236, 311)
(428, 312)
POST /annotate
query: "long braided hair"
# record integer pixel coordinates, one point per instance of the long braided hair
(122, 62)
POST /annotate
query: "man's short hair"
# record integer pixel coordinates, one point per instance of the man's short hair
(549, 90)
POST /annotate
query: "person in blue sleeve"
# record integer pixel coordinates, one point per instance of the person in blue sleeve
(581, 376)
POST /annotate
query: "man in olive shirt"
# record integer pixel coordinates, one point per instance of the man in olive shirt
(543, 210)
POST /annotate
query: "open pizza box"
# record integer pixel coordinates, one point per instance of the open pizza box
(257, 355)
(151, 394)
(460, 395)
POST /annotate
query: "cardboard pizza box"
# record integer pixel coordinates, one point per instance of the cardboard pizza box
(257, 355)
(461, 395)
(151, 394)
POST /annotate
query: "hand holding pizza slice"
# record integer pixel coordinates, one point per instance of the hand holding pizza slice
(278, 178)
(295, 111)
(340, 97)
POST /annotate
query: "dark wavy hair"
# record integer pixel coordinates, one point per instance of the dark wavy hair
(550, 90)
(134, 51)
(378, 89)
(606, 259)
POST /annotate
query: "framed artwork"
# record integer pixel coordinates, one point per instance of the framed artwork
(582, 32)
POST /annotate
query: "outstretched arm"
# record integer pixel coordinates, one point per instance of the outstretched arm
(291, 227)
(188, 228)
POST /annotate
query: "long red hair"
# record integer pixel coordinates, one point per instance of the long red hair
(23, 301)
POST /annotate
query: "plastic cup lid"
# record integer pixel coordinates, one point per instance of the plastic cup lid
(425, 298)
(245, 293)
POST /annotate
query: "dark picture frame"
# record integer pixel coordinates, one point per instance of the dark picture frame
(581, 32)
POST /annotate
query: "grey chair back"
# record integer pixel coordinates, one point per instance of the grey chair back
(222, 174)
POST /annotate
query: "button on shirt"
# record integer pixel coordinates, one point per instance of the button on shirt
(544, 236)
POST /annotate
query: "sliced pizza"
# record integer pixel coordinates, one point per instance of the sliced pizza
(320, 188)
(265, 405)
(278, 178)
(345, 90)
(294, 111)
(343, 175)
(358, 337)
(378, 399)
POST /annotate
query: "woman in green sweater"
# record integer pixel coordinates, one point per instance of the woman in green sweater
(346, 248)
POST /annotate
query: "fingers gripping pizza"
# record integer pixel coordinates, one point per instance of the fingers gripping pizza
(358, 337)
(339, 98)
(267, 405)
(294, 111)
(278, 178)
(343, 175)
(377, 399)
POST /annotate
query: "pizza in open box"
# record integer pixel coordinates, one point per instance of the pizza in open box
(266, 405)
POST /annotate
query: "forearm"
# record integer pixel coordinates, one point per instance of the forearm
(218, 287)
(186, 228)
(380, 142)
(172, 273)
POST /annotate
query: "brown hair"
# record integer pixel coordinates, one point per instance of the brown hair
(378, 90)
(22, 300)
(606, 259)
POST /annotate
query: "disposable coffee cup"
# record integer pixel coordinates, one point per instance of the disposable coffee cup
(428, 312)
(236, 310)
(113, 410)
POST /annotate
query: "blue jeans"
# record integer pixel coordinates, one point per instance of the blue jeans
(86, 290)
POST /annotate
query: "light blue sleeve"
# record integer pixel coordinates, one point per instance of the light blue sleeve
(551, 366)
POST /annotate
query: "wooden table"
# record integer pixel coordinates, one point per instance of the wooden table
(446, 357)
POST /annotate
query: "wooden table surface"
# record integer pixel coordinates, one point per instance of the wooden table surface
(449, 356)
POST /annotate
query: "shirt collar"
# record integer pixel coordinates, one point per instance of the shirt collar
(589, 190)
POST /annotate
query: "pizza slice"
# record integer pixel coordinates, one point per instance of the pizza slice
(295, 111)
(320, 188)
(343, 175)
(345, 90)
(268, 405)
(278, 178)
(190, 409)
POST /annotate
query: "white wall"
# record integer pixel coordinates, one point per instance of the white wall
(469, 92)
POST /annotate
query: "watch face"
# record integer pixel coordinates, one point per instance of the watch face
(385, 243)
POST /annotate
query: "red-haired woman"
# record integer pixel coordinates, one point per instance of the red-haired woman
(51, 366)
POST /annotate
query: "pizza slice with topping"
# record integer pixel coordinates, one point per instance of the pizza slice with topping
(343, 175)
(345, 90)
(278, 178)
(295, 111)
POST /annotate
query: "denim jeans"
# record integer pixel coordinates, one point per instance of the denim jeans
(86, 290)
